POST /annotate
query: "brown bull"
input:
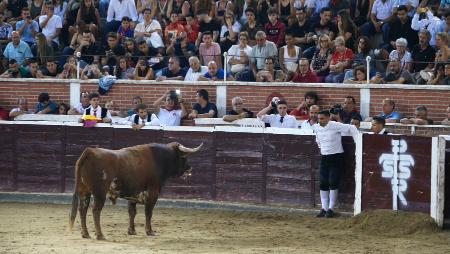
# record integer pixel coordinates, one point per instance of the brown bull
(135, 173)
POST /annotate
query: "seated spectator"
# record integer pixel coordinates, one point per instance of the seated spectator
(305, 75)
(355, 121)
(346, 28)
(96, 110)
(75, 42)
(362, 51)
(275, 29)
(210, 50)
(269, 74)
(222, 7)
(14, 71)
(203, 108)
(33, 68)
(280, 120)
(389, 113)
(143, 71)
(92, 71)
(144, 50)
(125, 30)
(116, 11)
(124, 70)
(69, 70)
(238, 111)
(173, 71)
(380, 17)
(446, 120)
(359, 76)
(207, 24)
(440, 75)
(173, 110)
(63, 108)
(87, 49)
(238, 54)
(324, 26)
(141, 118)
(196, 70)
(114, 110)
(181, 47)
(401, 28)
(3, 114)
(378, 126)
(251, 26)
(49, 71)
(13, 9)
(301, 29)
(401, 54)
(420, 117)
(22, 108)
(79, 108)
(149, 30)
(312, 118)
(131, 52)
(42, 50)
(422, 55)
(51, 25)
(349, 110)
(341, 59)
(90, 15)
(192, 28)
(5, 31)
(45, 105)
(443, 53)
(17, 49)
(215, 74)
(112, 52)
(173, 29)
(289, 55)
(302, 111)
(27, 27)
(134, 102)
(394, 75)
(321, 60)
(229, 32)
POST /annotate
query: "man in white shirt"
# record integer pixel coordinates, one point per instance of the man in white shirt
(118, 9)
(280, 120)
(96, 110)
(380, 16)
(51, 25)
(142, 118)
(313, 113)
(173, 110)
(196, 69)
(149, 30)
(329, 140)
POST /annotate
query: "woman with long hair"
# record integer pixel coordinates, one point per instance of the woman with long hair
(42, 50)
(359, 76)
(131, 52)
(123, 70)
(143, 71)
(346, 28)
(289, 54)
(202, 5)
(322, 57)
(229, 32)
(90, 15)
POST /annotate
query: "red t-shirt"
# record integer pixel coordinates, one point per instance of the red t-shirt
(302, 114)
(192, 35)
(310, 77)
(338, 57)
(4, 115)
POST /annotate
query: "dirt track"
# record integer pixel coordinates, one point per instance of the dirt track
(32, 228)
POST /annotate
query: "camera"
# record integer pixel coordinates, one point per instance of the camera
(336, 109)
(274, 102)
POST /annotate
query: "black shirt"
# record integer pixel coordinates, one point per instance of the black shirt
(210, 106)
(16, 6)
(211, 26)
(419, 55)
(301, 31)
(117, 51)
(399, 30)
(234, 113)
(348, 116)
(325, 29)
(88, 52)
(167, 73)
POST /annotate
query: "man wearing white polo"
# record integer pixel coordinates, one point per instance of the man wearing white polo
(329, 140)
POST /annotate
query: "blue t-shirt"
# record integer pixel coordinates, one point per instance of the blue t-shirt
(219, 74)
(393, 115)
(27, 36)
(210, 106)
(53, 106)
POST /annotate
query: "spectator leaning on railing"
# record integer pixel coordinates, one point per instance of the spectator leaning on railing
(420, 117)
(203, 108)
(238, 111)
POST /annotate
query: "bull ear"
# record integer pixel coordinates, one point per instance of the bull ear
(189, 150)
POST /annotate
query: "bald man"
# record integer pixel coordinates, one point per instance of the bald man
(215, 74)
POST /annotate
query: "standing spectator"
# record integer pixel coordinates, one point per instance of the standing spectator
(22, 108)
(305, 75)
(329, 140)
(143, 71)
(45, 105)
(422, 54)
(446, 120)
(173, 71)
(312, 119)
(149, 30)
(173, 110)
(229, 32)
(349, 110)
(420, 117)
(123, 70)
(118, 9)
(341, 59)
(27, 27)
(275, 29)
(49, 71)
(380, 17)
(125, 30)
(321, 60)
(113, 51)
(42, 50)
(79, 108)
(51, 26)
(378, 126)
(5, 31)
(269, 74)
(90, 15)
(238, 111)
(238, 54)
(251, 26)
(203, 108)
(289, 54)
(210, 50)
(215, 73)
(196, 69)
(401, 28)
(302, 111)
(280, 120)
(17, 49)
(401, 54)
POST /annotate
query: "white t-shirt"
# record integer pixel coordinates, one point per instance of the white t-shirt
(275, 121)
(50, 29)
(382, 10)
(329, 137)
(141, 27)
(306, 125)
(170, 118)
(79, 108)
(193, 76)
(405, 59)
(236, 28)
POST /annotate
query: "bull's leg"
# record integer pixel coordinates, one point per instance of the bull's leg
(99, 202)
(149, 205)
(84, 205)
(132, 214)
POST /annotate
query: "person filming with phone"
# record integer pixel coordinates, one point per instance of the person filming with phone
(173, 110)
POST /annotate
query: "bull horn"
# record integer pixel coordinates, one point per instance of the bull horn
(189, 150)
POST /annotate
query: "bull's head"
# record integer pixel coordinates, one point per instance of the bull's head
(183, 168)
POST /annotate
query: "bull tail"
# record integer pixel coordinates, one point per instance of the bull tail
(76, 194)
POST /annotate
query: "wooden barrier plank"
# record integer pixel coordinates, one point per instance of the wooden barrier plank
(7, 157)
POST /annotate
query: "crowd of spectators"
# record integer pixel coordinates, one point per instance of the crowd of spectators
(266, 40)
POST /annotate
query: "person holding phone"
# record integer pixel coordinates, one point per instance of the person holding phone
(173, 110)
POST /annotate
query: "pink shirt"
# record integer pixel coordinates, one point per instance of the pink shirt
(208, 54)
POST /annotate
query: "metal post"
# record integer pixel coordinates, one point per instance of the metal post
(225, 63)
(368, 58)
(78, 64)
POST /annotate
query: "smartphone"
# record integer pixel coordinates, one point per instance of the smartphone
(177, 91)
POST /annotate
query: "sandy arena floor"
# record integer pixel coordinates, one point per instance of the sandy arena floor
(33, 228)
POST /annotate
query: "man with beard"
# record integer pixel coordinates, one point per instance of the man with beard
(302, 111)
(394, 75)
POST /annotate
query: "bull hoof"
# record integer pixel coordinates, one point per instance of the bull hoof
(151, 233)
(131, 231)
(101, 238)
(85, 235)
